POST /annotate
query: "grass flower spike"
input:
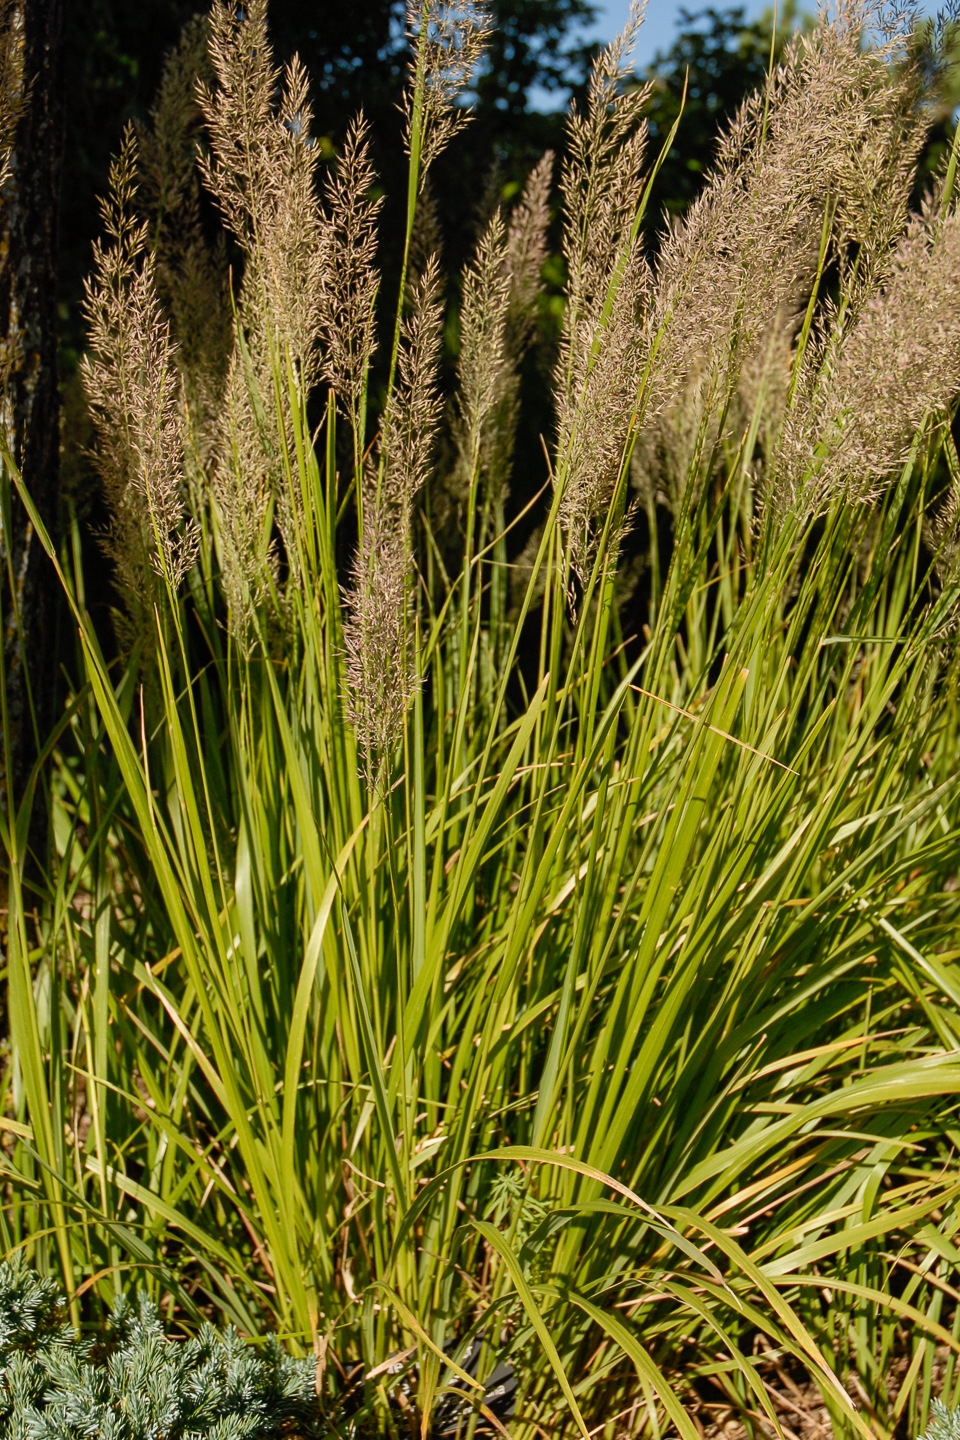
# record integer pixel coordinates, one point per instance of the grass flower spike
(132, 388)
(448, 38)
(602, 352)
(380, 670)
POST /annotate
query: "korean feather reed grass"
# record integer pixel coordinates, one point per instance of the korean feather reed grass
(437, 952)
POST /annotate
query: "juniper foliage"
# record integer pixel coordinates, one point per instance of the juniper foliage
(944, 1423)
(134, 1383)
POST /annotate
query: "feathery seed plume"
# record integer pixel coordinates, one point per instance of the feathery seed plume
(426, 237)
(870, 383)
(349, 278)
(132, 389)
(192, 275)
(244, 172)
(498, 315)
(448, 38)
(379, 671)
(261, 170)
(833, 136)
(527, 253)
(601, 353)
(12, 88)
(524, 254)
(486, 296)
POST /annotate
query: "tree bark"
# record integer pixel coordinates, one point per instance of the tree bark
(29, 203)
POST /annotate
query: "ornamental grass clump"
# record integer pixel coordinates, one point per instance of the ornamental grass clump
(534, 942)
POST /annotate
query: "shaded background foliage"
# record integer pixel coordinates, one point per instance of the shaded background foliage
(31, 118)
(357, 57)
(114, 53)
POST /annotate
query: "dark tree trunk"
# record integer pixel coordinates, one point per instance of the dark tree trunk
(29, 202)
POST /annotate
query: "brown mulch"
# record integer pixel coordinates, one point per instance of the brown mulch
(798, 1406)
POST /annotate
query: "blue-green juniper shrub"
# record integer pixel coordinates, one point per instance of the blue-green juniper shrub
(135, 1384)
(944, 1423)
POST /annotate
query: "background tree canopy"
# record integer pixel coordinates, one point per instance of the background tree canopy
(114, 53)
(357, 59)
